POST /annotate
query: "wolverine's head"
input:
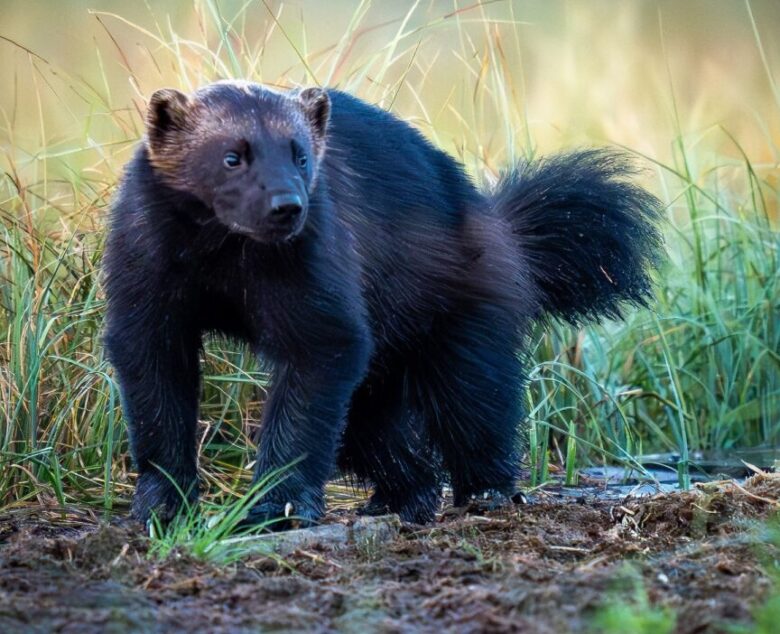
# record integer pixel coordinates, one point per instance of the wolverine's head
(248, 153)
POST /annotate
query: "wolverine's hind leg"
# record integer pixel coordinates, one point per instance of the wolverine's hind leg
(475, 381)
(386, 444)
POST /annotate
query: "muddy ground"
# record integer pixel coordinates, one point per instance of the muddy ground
(549, 566)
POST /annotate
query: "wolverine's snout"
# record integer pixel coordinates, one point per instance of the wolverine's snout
(286, 215)
(268, 205)
(286, 206)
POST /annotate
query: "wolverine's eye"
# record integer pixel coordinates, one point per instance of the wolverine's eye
(231, 160)
(299, 155)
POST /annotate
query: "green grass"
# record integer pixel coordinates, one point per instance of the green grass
(767, 612)
(700, 370)
(212, 531)
(634, 616)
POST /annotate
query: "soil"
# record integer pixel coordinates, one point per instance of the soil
(548, 566)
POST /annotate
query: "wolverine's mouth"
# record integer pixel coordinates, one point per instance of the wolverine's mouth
(253, 234)
(298, 225)
(270, 234)
(239, 228)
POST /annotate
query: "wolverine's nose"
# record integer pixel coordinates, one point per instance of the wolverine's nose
(285, 206)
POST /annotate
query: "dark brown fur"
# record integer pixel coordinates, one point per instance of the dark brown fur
(391, 298)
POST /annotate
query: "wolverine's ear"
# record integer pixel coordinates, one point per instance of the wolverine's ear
(169, 110)
(316, 105)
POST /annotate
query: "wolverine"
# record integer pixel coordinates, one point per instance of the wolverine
(392, 299)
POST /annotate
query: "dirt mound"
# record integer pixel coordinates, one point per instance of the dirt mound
(550, 566)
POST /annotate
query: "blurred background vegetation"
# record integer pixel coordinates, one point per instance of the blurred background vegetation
(690, 87)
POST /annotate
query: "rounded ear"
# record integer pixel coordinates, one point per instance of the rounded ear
(316, 106)
(169, 110)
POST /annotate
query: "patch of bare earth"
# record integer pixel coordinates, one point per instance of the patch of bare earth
(545, 567)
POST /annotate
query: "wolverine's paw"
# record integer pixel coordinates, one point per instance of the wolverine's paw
(489, 500)
(376, 505)
(157, 496)
(281, 516)
(414, 508)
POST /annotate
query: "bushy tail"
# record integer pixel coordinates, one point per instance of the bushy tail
(589, 235)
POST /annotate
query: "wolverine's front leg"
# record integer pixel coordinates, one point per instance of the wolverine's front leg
(304, 418)
(155, 355)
